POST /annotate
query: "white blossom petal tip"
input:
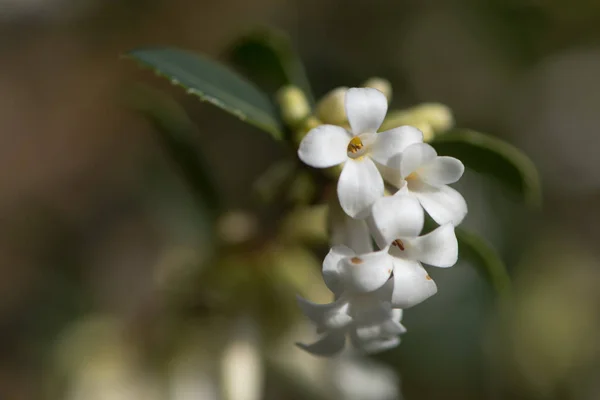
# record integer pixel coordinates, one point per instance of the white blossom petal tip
(329, 345)
(330, 316)
(359, 186)
(365, 109)
(378, 345)
(331, 271)
(438, 248)
(324, 146)
(387, 149)
(442, 171)
(444, 204)
(412, 284)
(414, 157)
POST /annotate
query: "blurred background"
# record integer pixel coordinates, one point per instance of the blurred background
(116, 285)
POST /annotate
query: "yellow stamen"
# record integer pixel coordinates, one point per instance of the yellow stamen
(356, 260)
(355, 145)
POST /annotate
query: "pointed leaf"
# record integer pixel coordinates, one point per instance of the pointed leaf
(268, 57)
(494, 157)
(212, 82)
(179, 137)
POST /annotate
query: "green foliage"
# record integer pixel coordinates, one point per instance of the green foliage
(269, 58)
(483, 256)
(494, 157)
(179, 137)
(213, 82)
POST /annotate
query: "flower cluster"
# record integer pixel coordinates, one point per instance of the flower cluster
(372, 287)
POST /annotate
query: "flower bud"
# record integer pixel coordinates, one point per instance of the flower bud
(330, 109)
(437, 115)
(383, 85)
(429, 118)
(236, 227)
(293, 105)
(405, 117)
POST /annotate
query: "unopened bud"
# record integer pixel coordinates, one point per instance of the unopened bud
(293, 105)
(331, 109)
(426, 129)
(429, 118)
(383, 85)
(235, 227)
(437, 115)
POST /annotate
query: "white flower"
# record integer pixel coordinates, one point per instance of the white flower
(344, 271)
(367, 317)
(375, 338)
(362, 309)
(397, 221)
(360, 183)
(347, 231)
(420, 171)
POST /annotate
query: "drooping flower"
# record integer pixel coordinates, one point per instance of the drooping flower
(375, 338)
(368, 319)
(397, 221)
(362, 309)
(425, 175)
(360, 183)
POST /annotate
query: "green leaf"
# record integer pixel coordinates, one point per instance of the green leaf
(482, 255)
(268, 57)
(494, 157)
(212, 82)
(179, 137)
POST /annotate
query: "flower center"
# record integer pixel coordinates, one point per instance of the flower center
(411, 177)
(398, 243)
(355, 145)
(359, 145)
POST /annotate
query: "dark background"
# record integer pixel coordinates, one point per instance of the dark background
(92, 210)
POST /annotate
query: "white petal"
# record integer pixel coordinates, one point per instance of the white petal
(368, 332)
(438, 248)
(412, 284)
(329, 345)
(385, 329)
(373, 307)
(391, 175)
(325, 146)
(442, 171)
(350, 232)
(444, 204)
(393, 217)
(416, 156)
(359, 186)
(367, 272)
(331, 272)
(370, 309)
(365, 108)
(390, 144)
(330, 316)
(397, 314)
(377, 346)
(391, 328)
